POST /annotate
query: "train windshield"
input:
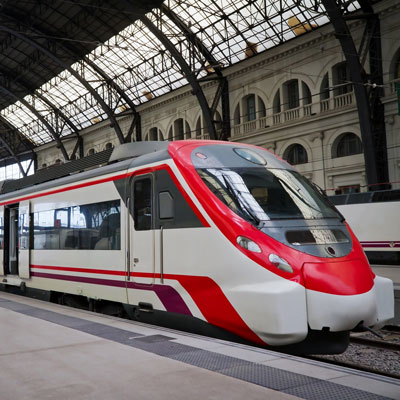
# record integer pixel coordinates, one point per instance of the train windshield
(261, 194)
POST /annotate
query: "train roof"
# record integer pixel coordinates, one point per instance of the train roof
(125, 156)
(108, 161)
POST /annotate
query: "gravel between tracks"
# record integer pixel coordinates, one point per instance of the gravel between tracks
(387, 361)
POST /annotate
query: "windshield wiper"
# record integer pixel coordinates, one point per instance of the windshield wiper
(330, 204)
(298, 196)
(240, 202)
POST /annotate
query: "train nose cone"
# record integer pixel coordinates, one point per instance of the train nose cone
(339, 277)
(339, 294)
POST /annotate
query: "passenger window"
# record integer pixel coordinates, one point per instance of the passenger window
(142, 204)
(166, 205)
(95, 226)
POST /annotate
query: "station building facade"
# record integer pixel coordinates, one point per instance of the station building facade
(296, 100)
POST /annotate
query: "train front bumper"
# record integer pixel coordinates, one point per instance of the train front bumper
(344, 312)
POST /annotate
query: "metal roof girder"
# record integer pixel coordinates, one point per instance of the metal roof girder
(8, 146)
(187, 72)
(359, 79)
(221, 92)
(32, 109)
(104, 106)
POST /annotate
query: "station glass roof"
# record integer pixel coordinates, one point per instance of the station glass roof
(134, 58)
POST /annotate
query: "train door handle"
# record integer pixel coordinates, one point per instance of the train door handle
(135, 260)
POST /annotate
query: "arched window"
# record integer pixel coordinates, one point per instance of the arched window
(250, 108)
(341, 79)
(202, 129)
(91, 151)
(324, 89)
(295, 154)
(276, 105)
(155, 134)
(347, 144)
(250, 104)
(108, 145)
(291, 92)
(179, 130)
(236, 115)
(306, 94)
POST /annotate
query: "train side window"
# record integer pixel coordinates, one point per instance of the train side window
(142, 198)
(94, 226)
(166, 205)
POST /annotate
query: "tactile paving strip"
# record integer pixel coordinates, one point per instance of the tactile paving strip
(273, 378)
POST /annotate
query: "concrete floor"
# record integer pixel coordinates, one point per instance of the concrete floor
(41, 360)
(49, 351)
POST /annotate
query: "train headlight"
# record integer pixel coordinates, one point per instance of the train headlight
(280, 263)
(248, 244)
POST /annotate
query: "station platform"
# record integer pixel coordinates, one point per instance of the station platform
(48, 351)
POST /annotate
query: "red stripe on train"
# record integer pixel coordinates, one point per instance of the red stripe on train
(208, 296)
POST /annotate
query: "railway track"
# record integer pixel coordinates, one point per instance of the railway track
(378, 356)
(379, 344)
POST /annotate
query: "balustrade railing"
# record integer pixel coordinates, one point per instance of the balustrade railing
(294, 114)
(324, 105)
(276, 118)
(307, 110)
(249, 126)
(343, 100)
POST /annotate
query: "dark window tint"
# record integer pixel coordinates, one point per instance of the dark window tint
(95, 226)
(251, 107)
(341, 79)
(142, 199)
(260, 194)
(316, 236)
(348, 145)
(293, 94)
(296, 154)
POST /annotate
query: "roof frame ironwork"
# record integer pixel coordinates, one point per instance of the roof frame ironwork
(108, 111)
(153, 54)
(370, 109)
(112, 84)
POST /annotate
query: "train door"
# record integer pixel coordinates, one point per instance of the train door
(23, 239)
(16, 231)
(2, 270)
(142, 234)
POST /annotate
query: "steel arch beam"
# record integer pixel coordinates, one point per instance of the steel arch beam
(359, 79)
(378, 126)
(8, 147)
(102, 103)
(107, 79)
(40, 117)
(13, 155)
(222, 91)
(196, 88)
(35, 93)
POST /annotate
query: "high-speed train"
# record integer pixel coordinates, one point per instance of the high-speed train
(375, 219)
(216, 237)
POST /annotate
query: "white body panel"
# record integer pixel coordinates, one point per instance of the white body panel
(341, 313)
(375, 222)
(269, 304)
(2, 240)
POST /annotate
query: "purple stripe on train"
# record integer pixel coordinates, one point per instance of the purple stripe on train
(169, 297)
(381, 244)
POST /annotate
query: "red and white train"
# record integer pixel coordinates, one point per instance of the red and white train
(218, 237)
